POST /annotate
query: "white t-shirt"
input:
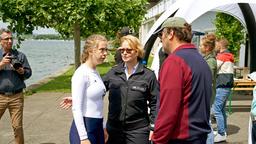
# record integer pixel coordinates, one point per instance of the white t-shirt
(87, 97)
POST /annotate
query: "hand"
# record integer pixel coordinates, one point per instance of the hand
(20, 70)
(150, 135)
(66, 103)
(105, 135)
(86, 141)
(6, 60)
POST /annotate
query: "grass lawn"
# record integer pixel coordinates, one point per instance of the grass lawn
(62, 83)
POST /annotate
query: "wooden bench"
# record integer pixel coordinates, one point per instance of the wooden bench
(241, 85)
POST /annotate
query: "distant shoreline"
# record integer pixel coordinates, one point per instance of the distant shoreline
(48, 78)
(43, 60)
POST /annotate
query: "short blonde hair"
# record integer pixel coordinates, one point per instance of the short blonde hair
(90, 43)
(134, 43)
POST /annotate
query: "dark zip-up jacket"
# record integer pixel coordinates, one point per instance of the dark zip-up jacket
(130, 99)
(10, 80)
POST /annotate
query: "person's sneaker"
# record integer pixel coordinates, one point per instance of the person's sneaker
(220, 138)
(215, 133)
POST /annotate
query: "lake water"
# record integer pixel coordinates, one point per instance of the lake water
(47, 57)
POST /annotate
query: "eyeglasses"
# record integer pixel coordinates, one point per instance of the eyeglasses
(127, 50)
(165, 30)
(160, 34)
(7, 38)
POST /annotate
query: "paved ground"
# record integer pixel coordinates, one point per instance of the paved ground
(238, 120)
(46, 123)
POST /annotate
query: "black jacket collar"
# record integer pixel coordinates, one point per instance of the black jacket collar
(121, 69)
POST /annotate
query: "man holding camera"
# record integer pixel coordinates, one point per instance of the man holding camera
(14, 69)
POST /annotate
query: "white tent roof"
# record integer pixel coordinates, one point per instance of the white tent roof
(193, 9)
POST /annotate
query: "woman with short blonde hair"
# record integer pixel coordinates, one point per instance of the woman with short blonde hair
(135, 44)
(133, 89)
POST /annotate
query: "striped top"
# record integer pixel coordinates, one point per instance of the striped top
(225, 70)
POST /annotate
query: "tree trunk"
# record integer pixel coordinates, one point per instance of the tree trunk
(77, 44)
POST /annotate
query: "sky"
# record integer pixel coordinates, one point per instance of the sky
(40, 30)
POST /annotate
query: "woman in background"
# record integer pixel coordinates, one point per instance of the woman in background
(207, 49)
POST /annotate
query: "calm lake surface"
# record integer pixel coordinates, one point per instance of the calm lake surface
(47, 57)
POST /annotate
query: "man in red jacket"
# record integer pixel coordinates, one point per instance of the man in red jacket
(185, 88)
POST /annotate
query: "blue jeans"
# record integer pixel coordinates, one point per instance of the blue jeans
(219, 109)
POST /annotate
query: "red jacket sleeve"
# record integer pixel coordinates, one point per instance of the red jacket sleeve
(171, 79)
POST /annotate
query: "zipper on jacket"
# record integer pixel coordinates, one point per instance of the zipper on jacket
(125, 103)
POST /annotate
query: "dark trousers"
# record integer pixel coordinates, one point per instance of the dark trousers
(94, 128)
(121, 136)
(199, 140)
(254, 132)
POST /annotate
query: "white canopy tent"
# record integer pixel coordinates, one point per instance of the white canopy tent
(199, 7)
(243, 10)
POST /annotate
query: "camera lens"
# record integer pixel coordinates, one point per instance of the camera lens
(16, 64)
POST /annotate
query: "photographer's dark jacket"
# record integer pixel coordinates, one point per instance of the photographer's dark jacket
(10, 80)
(130, 99)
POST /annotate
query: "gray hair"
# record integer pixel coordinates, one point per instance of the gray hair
(4, 30)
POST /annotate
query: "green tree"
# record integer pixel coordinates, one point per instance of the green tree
(73, 18)
(229, 27)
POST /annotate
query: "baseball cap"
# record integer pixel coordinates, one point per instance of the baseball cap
(172, 22)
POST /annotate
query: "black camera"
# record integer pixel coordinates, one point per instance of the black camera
(14, 61)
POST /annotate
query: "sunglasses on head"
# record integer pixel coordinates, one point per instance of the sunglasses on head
(127, 50)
